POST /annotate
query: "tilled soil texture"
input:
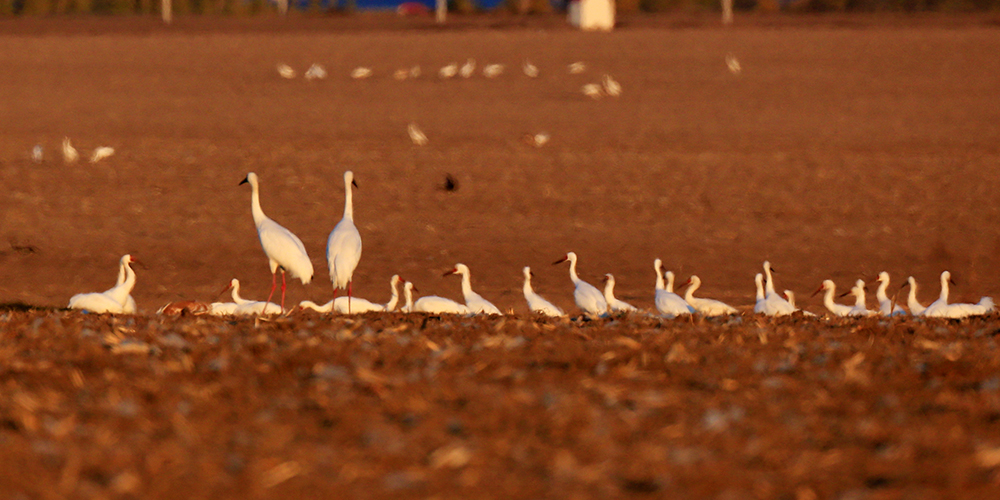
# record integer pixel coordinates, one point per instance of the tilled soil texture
(839, 150)
(415, 406)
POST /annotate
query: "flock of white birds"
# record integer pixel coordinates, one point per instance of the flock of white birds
(286, 253)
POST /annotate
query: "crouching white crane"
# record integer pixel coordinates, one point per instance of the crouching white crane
(112, 300)
(475, 302)
(589, 299)
(536, 303)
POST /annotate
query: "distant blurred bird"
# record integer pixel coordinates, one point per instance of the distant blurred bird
(69, 152)
(530, 69)
(733, 64)
(611, 87)
(401, 74)
(450, 183)
(315, 72)
(468, 68)
(416, 135)
(448, 71)
(415, 71)
(538, 140)
(577, 68)
(361, 73)
(286, 71)
(37, 153)
(101, 153)
(592, 90)
(493, 70)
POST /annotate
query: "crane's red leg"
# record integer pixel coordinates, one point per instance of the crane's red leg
(274, 283)
(282, 291)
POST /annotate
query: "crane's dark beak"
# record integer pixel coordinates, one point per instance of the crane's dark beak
(845, 294)
(244, 181)
(820, 289)
(354, 183)
(560, 261)
(453, 271)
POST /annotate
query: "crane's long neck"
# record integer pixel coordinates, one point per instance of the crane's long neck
(609, 290)
(389, 306)
(121, 274)
(408, 295)
(944, 290)
(828, 298)
(759, 281)
(670, 281)
(236, 294)
(880, 293)
(120, 293)
(689, 294)
(770, 280)
(659, 277)
(258, 214)
(527, 286)
(572, 271)
(859, 297)
(325, 308)
(911, 300)
(466, 286)
(348, 202)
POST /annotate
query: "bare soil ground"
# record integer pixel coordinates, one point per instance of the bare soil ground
(844, 148)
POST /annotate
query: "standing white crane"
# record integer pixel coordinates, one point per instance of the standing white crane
(109, 301)
(343, 248)
(475, 302)
(617, 306)
(536, 303)
(589, 299)
(283, 249)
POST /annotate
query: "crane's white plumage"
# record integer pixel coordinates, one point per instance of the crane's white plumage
(360, 73)
(431, 304)
(283, 249)
(101, 153)
(707, 307)
(109, 301)
(592, 90)
(886, 307)
(493, 70)
(830, 289)
(468, 68)
(733, 64)
(576, 68)
(942, 309)
(448, 71)
(355, 305)
(536, 303)
(616, 305)
(589, 299)
(611, 86)
(286, 71)
(860, 309)
(128, 307)
(315, 72)
(416, 135)
(915, 307)
(667, 302)
(530, 69)
(343, 248)
(775, 304)
(475, 302)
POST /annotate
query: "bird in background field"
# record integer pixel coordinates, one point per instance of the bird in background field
(101, 153)
(707, 307)
(530, 70)
(286, 71)
(576, 68)
(448, 71)
(37, 153)
(616, 306)
(343, 248)
(360, 73)
(611, 86)
(588, 298)
(468, 68)
(69, 153)
(860, 309)
(774, 304)
(733, 64)
(283, 249)
(536, 303)
(493, 70)
(112, 300)
(315, 72)
(592, 90)
(475, 302)
(416, 135)
(915, 307)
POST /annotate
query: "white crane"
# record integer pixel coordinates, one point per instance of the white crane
(616, 306)
(536, 303)
(886, 307)
(354, 305)
(589, 299)
(530, 70)
(667, 302)
(776, 305)
(860, 309)
(475, 302)
(228, 308)
(101, 153)
(942, 309)
(110, 301)
(128, 307)
(707, 307)
(468, 68)
(790, 297)
(70, 155)
(916, 308)
(283, 249)
(431, 303)
(343, 248)
(830, 288)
